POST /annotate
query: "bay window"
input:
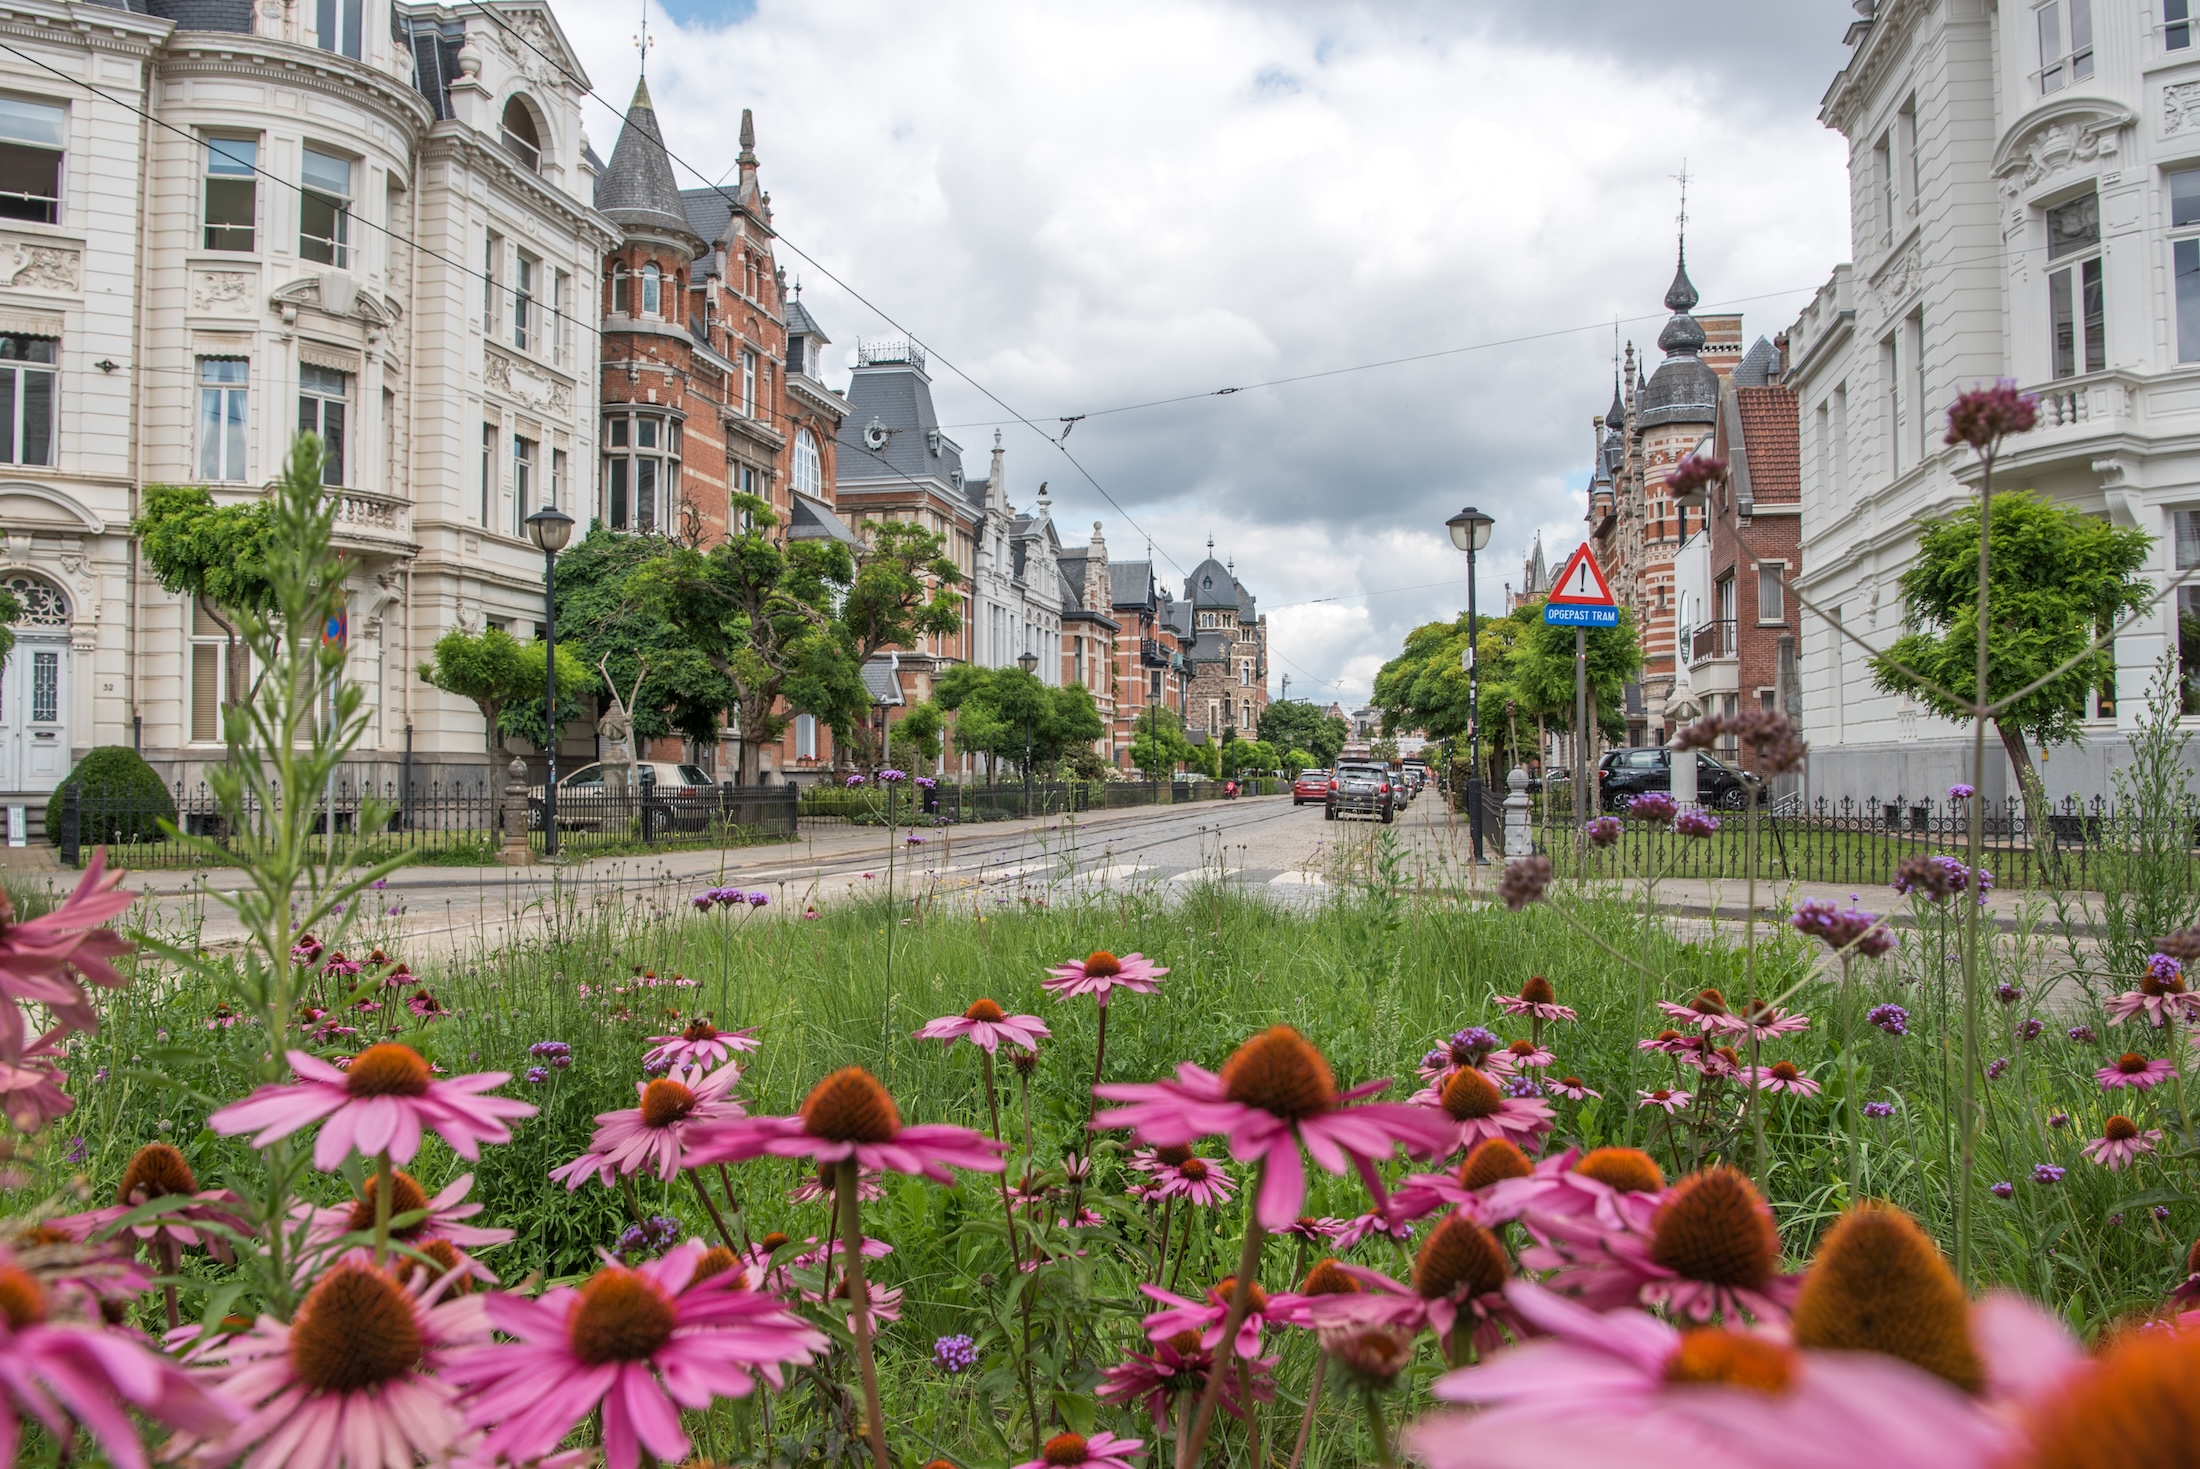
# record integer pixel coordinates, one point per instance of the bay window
(2076, 305)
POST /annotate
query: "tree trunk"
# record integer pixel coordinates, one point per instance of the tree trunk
(755, 715)
(2037, 809)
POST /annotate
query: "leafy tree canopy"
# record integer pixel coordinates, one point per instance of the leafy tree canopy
(1301, 724)
(503, 677)
(2058, 579)
(608, 616)
(903, 589)
(1158, 745)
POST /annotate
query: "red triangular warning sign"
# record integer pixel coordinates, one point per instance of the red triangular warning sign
(1581, 583)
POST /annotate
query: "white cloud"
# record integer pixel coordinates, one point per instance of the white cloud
(1086, 207)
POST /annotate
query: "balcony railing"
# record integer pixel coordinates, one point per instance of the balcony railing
(1713, 640)
(1152, 654)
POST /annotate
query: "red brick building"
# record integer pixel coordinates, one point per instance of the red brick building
(1743, 652)
(1149, 651)
(710, 386)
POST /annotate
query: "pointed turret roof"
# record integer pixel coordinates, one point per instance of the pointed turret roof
(636, 188)
(1615, 417)
(1684, 389)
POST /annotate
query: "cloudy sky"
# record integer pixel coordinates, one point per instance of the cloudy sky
(1081, 209)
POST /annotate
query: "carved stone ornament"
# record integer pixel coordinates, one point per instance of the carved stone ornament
(1897, 280)
(212, 290)
(524, 384)
(2081, 133)
(527, 41)
(2180, 108)
(51, 269)
(333, 293)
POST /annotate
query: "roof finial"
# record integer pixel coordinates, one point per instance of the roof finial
(643, 40)
(748, 130)
(1683, 219)
(1210, 543)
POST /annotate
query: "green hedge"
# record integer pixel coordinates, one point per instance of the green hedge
(121, 799)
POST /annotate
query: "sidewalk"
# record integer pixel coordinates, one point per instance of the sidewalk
(1728, 898)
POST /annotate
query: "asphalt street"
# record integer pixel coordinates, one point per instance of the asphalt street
(1263, 843)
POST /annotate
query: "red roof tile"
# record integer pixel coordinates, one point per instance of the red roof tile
(1770, 433)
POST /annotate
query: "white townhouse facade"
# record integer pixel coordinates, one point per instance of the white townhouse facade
(2025, 203)
(224, 221)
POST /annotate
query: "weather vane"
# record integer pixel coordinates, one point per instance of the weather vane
(643, 40)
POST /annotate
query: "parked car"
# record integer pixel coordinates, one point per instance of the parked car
(1312, 785)
(1624, 774)
(680, 797)
(1362, 790)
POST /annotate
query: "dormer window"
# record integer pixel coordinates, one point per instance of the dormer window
(795, 345)
(521, 138)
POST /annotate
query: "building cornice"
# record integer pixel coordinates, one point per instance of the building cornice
(92, 26)
(1882, 46)
(451, 136)
(264, 59)
(820, 397)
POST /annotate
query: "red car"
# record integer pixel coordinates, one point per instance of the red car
(1312, 785)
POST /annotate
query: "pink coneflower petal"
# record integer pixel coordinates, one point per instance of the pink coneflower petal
(2136, 1072)
(1101, 973)
(652, 1134)
(847, 1115)
(1781, 1076)
(986, 1025)
(382, 1102)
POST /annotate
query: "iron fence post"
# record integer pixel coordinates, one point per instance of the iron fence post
(72, 816)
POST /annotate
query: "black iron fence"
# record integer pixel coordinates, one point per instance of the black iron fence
(867, 804)
(1862, 843)
(452, 823)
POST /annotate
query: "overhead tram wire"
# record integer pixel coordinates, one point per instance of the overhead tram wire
(829, 274)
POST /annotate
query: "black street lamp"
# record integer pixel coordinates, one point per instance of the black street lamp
(1028, 661)
(550, 528)
(1470, 532)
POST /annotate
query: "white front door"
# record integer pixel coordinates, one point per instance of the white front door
(34, 715)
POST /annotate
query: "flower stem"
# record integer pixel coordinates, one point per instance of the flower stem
(1241, 1298)
(385, 1194)
(1967, 1117)
(859, 1305)
(1375, 1425)
(1252, 1410)
(1016, 1257)
(711, 1209)
(1161, 1261)
(1306, 1420)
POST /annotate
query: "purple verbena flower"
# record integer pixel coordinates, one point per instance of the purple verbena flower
(1879, 1109)
(1983, 416)
(2046, 1173)
(1695, 823)
(1960, 792)
(2083, 1034)
(1602, 832)
(1891, 1018)
(1996, 1067)
(1653, 806)
(954, 1355)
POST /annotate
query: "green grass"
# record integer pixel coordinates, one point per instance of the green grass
(1374, 980)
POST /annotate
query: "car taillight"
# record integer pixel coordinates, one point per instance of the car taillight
(1332, 785)
(1386, 788)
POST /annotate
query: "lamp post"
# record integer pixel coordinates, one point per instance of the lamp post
(550, 528)
(1470, 532)
(1028, 661)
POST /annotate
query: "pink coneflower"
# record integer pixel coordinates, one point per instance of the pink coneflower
(445, 1216)
(701, 1044)
(1209, 1316)
(1524, 1055)
(1710, 1249)
(1312, 1228)
(2162, 995)
(1620, 1187)
(1672, 1101)
(1196, 1181)
(353, 1381)
(640, 1343)
(1537, 1000)
(1075, 1451)
(1459, 1274)
(1706, 1012)
(1100, 973)
(848, 1115)
(1274, 1093)
(1626, 1388)
(819, 1185)
(985, 1025)
(1711, 1061)
(31, 1094)
(651, 1134)
(881, 1305)
(1375, 1221)
(424, 1005)
(818, 1251)
(1478, 1110)
(1780, 1076)
(2136, 1072)
(1157, 1160)
(63, 1375)
(159, 1171)
(1155, 1380)
(1765, 1021)
(379, 1104)
(1572, 1088)
(1670, 1043)
(42, 960)
(2120, 1142)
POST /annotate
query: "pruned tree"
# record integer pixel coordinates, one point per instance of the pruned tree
(215, 554)
(503, 678)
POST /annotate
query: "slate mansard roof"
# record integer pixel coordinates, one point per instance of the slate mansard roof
(898, 398)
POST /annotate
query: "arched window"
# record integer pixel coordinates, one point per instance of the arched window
(809, 468)
(43, 604)
(653, 291)
(522, 139)
(621, 303)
